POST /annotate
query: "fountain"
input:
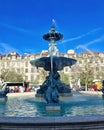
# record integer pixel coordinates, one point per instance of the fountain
(80, 111)
(4, 90)
(52, 88)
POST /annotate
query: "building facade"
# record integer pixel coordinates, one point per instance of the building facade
(86, 61)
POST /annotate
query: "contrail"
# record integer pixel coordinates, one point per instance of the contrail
(5, 49)
(91, 42)
(85, 46)
(95, 40)
(81, 36)
(16, 28)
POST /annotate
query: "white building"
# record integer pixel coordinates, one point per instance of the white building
(21, 64)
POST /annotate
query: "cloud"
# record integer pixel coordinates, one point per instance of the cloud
(81, 36)
(5, 49)
(95, 41)
(85, 48)
(90, 42)
(16, 28)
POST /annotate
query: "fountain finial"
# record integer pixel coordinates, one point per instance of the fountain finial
(53, 22)
(53, 26)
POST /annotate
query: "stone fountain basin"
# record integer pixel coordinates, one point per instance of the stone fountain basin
(62, 97)
(59, 122)
(58, 62)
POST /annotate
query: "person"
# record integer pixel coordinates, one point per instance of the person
(21, 89)
(16, 89)
(28, 89)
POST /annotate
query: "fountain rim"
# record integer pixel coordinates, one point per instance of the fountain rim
(31, 61)
(79, 122)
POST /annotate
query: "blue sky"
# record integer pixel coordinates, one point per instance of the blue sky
(23, 23)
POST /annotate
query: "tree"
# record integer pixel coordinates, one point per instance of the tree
(11, 76)
(86, 77)
(64, 78)
(41, 77)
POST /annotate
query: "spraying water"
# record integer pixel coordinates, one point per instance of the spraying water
(53, 51)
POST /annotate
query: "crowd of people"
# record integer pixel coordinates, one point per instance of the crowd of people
(17, 89)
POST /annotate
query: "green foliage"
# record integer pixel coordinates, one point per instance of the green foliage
(41, 77)
(86, 78)
(64, 78)
(11, 76)
(36, 81)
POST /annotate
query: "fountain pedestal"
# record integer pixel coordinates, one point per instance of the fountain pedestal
(53, 107)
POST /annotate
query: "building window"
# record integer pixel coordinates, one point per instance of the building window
(97, 68)
(18, 63)
(3, 65)
(101, 61)
(26, 64)
(32, 57)
(32, 70)
(102, 67)
(66, 69)
(18, 70)
(32, 78)
(13, 57)
(9, 58)
(26, 78)
(13, 64)
(26, 70)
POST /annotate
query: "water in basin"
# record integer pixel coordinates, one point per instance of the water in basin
(75, 105)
